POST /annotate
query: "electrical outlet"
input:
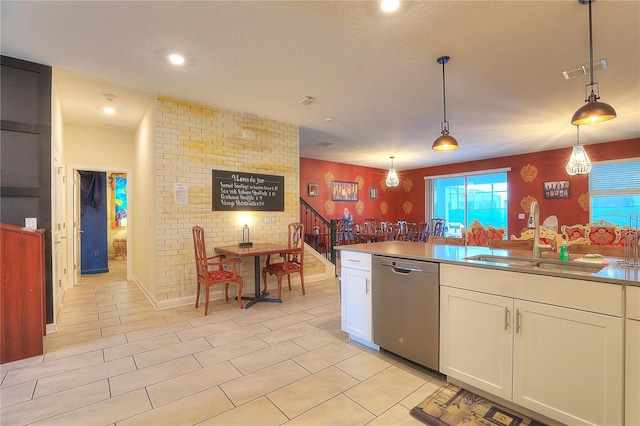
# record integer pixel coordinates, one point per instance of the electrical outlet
(31, 222)
(520, 215)
(268, 219)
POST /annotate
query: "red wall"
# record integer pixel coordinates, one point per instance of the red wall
(324, 172)
(406, 202)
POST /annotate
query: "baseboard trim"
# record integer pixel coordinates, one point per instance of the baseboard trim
(174, 303)
(219, 294)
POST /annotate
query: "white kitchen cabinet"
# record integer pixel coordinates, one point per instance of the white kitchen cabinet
(355, 289)
(632, 371)
(567, 363)
(476, 339)
(561, 362)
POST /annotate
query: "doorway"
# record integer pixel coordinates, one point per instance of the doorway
(100, 218)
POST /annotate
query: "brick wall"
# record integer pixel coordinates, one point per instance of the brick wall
(191, 140)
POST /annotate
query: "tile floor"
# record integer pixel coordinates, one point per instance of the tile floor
(116, 360)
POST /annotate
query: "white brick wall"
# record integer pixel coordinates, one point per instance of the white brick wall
(191, 140)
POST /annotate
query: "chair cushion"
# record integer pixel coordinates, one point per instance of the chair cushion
(219, 275)
(276, 267)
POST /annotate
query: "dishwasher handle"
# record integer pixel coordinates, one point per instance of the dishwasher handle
(402, 271)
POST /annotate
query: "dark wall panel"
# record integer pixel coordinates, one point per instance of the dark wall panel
(21, 94)
(16, 159)
(25, 148)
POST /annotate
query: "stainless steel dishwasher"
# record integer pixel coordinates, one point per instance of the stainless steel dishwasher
(406, 308)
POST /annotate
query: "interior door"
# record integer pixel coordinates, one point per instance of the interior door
(76, 227)
(59, 232)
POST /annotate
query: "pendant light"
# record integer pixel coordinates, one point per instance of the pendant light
(445, 142)
(593, 111)
(579, 163)
(392, 177)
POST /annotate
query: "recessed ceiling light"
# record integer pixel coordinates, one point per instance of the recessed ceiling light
(329, 119)
(389, 5)
(176, 59)
(109, 109)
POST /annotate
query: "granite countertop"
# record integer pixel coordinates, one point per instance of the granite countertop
(612, 273)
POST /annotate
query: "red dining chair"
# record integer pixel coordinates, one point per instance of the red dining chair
(293, 260)
(211, 271)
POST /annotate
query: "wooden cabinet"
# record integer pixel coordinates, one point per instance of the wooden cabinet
(355, 292)
(22, 288)
(632, 371)
(559, 361)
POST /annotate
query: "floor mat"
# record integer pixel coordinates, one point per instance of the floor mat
(451, 406)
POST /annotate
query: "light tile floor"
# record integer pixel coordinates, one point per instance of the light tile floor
(116, 360)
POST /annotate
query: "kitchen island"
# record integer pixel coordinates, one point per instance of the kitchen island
(549, 337)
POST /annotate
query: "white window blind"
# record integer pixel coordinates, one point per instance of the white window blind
(614, 177)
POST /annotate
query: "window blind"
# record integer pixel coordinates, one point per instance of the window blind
(618, 176)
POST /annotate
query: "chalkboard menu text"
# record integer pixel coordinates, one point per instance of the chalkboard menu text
(247, 191)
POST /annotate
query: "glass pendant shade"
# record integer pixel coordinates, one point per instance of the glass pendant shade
(593, 111)
(579, 163)
(392, 177)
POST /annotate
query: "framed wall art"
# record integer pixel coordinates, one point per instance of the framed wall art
(344, 191)
(313, 190)
(118, 183)
(557, 189)
(373, 193)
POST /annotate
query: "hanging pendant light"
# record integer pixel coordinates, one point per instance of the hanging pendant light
(593, 111)
(392, 177)
(445, 142)
(579, 163)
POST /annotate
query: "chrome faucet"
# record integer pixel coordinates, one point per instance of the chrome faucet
(538, 246)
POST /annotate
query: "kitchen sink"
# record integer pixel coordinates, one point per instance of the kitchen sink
(545, 264)
(508, 260)
(567, 266)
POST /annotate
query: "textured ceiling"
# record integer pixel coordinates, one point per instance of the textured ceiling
(375, 73)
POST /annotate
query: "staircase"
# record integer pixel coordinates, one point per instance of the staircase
(320, 233)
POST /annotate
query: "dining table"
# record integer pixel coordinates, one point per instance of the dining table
(255, 251)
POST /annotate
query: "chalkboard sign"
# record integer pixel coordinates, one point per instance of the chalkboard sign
(247, 191)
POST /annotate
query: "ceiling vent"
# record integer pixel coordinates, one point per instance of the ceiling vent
(113, 126)
(306, 100)
(326, 143)
(580, 70)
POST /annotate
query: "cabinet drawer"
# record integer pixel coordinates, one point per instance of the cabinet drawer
(633, 302)
(355, 260)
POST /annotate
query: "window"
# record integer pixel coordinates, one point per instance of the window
(460, 199)
(614, 191)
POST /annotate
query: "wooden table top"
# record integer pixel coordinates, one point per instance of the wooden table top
(258, 249)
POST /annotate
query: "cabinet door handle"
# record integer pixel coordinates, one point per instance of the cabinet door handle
(366, 285)
(506, 318)
(518, 320)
